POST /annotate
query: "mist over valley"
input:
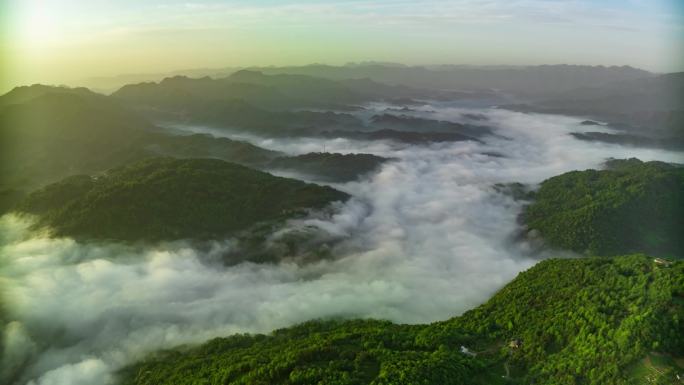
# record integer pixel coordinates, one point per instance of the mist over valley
(342, 192)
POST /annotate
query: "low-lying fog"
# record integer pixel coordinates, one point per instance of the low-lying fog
(425, 238)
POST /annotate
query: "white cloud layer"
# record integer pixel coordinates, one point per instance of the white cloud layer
(425, 238)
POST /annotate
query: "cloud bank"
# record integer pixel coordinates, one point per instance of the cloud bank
(425, 238)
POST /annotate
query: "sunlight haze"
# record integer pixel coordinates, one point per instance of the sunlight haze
(344, 192)
(55, 42)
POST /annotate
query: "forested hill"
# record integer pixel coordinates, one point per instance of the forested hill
(166, 198)
(586, 321)
(596, 321)
(632, 206)
(48, 133)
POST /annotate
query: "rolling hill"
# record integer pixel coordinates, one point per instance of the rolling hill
(631, 206)
(165, 199)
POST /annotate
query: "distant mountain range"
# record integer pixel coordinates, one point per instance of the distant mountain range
(628, 98)
(40, 125)
(652, 106)
(289, 105)
(524, 80)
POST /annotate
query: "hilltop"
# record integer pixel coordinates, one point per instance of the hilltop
(166, 198)
(631, 206)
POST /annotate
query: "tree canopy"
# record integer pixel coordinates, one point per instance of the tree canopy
(631, 206)
(166, 198)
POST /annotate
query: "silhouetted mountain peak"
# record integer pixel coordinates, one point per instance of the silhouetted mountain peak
(26, 93)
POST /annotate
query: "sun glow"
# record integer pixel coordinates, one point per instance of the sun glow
(37, 23)
(71, 41)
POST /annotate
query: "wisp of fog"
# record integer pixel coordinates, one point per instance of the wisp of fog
(424, 238)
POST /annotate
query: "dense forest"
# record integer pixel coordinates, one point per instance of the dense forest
(630, 207)
(565, 321)
(166, 198)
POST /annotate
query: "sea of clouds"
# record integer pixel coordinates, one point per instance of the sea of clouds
(424, 238)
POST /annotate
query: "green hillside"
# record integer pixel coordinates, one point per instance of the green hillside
(584, 321)
(166, 198)
(632, 206)
(577, 321)
(60, 133)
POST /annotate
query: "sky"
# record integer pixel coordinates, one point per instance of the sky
(66, 41)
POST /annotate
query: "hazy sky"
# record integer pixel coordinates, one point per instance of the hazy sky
(57, 41)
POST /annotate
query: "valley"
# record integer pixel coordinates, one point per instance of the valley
(357, 237)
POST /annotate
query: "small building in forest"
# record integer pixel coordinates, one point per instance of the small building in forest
(467, 351)
(662, 262)
(515, 344)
